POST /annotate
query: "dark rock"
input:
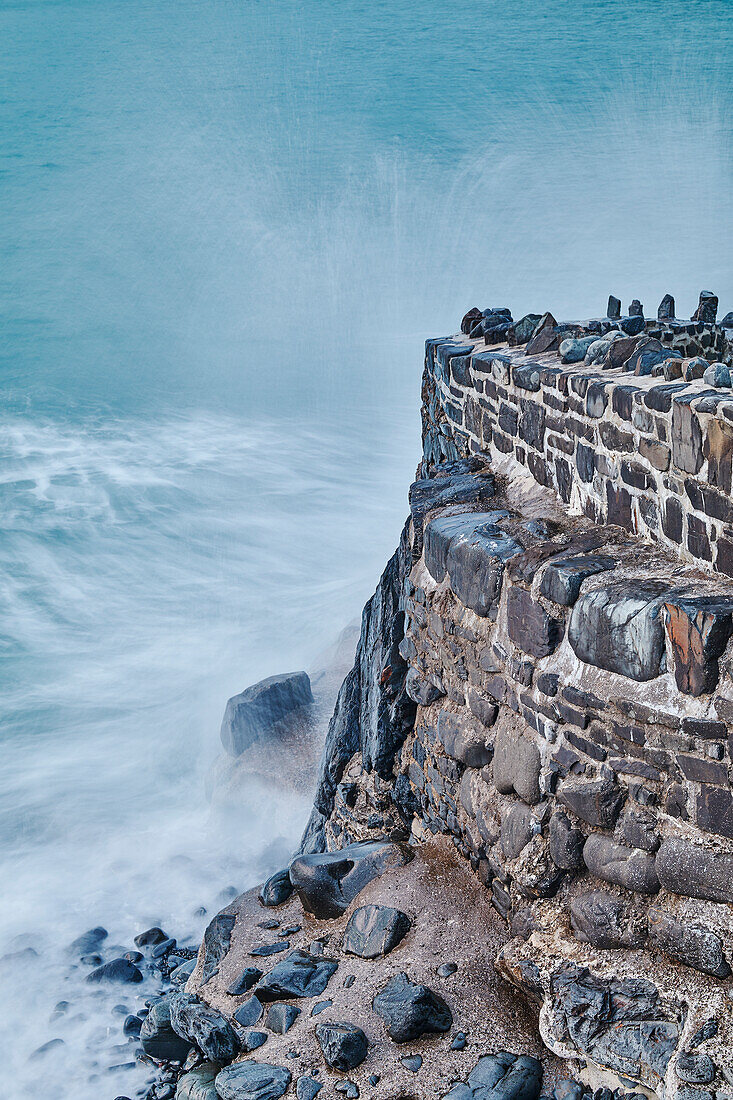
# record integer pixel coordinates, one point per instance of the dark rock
(596, 801)
(665, 312)
(253, 1040)
(321, 1006)
(266, 949)
(157, 1036)
(204, 1027)
(327, 883)
(217, 938)
(459, 1041)
(280, 1017)
(307, 1088)
(89, 942)
(253, 713)
(470, 320)
(688, 943)
(277, 889)
(429, 494)
(628, 867)
(597, 918)
(118, 970)
(562, 577)
(698, 628)
(198, 1083)
(160, 950)
(516, 830)
(410, 1010)
(686, 869)
(252, 1081)
(501, 1076)
(613, 309)
(632, 326)
(687, 452)
(568, 1090)
(183, 972)
(636, 309)
(249, 1012)
(423, 690)
(708, 1031)
(522, 330)
(516, 767)
(695, 1068)
(646, 355)
(344, 1046)
(529, 626)
(445, 970)
(347, 1088)
(373, 930)
(248, 978)
(150, 937)
(573, 349)
(618, 628)
(545, 336)
(464, 740)
(300, 974)
(707, 309)
(413, 1062)
(639, 829)
(132, 1026)
(566, 843)
(717, 374)
(473, 550)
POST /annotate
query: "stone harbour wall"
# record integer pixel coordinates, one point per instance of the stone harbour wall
(553, 678)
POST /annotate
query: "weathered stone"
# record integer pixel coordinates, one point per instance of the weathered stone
(714, 809)
(619, 351)
(277, 889)
(718, 450)
(307, 1088)
(686, 437)
(613, 309)
(628, 867)
(618, 628)
(522, 330)
(645, 356)
(632, 325)
(562, 577)
(698, 628)
(529, 626)
(637, 828)
(373, 930)
(464, 740)
(501, 1076)
(299, 974)
(117, 970)
(410, 1010)
(246, 979)
(665, 311)
(516, 830)
(470, 319)
(688, 943)
(573, 349)
(249, 1012)
(344, 1046)
(566, 842)
(717, 374)
(636, 309)
(328, 882)
(473, 487)
(595, 801)
(423, 690)
(157, 1036)
(198, 1083)
(281, 1017)
(707, 308)
(695, 1068)
(252, 1081)
(257, 710)
(473, 550)
(516, 767)
(204, 1027)
(545, 336)
(597, 918)
(217, 938)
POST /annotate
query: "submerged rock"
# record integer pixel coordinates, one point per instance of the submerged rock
(88, 942)
(255, 711)
(410, 1010)
(328, 882)
(118, 970)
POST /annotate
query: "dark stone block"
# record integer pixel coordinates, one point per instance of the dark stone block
(619, 506)
(665, 311)
(410, 1010)
(516, 767)
(595, 801)
(632, 326)
(620, 630)
(698, 542)
(695, 1068)
(157, 1037)
(516, 830)
(277, 889)
(423, 690)
(628, 867)
(545, 336)
(689, 944)
(718, 450)
(638, 829)
(597, 918)
(547, 683)
(613, 309)
(562, 577)
(252, 1081)
(684, 868)
(247, 978)
(249, 1012)
(475, 548)
(484, 709)
(464, 740)
(500, 1076)
(204, 1027)
(714, 810)
(529, 626)
(299, 974)
(261, 707)
(706, 728)
(698, 629)
(686, 437)
(373, 930)
(566, 843)
(522, 330)
(672, 520)
(344, 1045)
(707, 308)
(646, 355)
(328, 882)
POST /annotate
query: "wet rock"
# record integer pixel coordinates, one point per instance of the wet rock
(373, 930)
(464, 740)
(253, 713)
(619, 628)
(89, 942)
(429, 494)
(516, 766)
(280, 1017)
(684, 868)
(150, 937)
(344, 1045)
(566, 843)
(688, 943)
(501, 1076)
(160, 950)
(217, 938)
(183, 972)
(252, 1081)
(249, 1012)
(695, 1068)
(410, 1010)
(132, 1025)
(562, 577)
(158, 1038)
(198, 1083)
(118, 970)
(204, 1027)
(277, 889)
(623, 866)
(266, 949)
(300, 974)
(472, 549)
(595, 801)
(248, 978)
(698, 629)
(328, 882)
(529, 626)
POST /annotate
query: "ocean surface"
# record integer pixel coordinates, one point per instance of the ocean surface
(226, 229)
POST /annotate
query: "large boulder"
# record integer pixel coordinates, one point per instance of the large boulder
(472, 549)
(217, 938)
(204, 1027)
(619, 628)
(198, 1083)
(373, 930)
(158, 1038)
(252, 1081)
(690, 944)
(327, 882)
(410, 1010)
(255, 711)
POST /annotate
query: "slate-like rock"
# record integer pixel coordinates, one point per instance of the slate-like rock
(529, 626)
(698, 628)
(245, 981)
(501, 1076)
(464, 740)
(253, 1040)
(410, 1010)
(573, 349)
(150, 937)
(198, 1083)
(344, 1045)
(428, 494)
(249, 1012)
(522, 330)
(252, 1081)
(423, 690)
(628, 867)
(217, 938)
(562, 577)
(597, 918)
(595, 801)
(254, 712)
(328, 882)
(619, 628)
(688, 943)
(545, 336)
(707, 308)
(373, 930)
(566, 842)
(516, 830)
(281, 1017)
(277, 889)
(684, 868)
(299, 974)
(204, 1027)
(695, 1068)
(157, 1036)
(472, 549)
(118, 970)
(307, 1088)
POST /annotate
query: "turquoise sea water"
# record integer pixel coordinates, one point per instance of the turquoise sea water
(225, 231)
